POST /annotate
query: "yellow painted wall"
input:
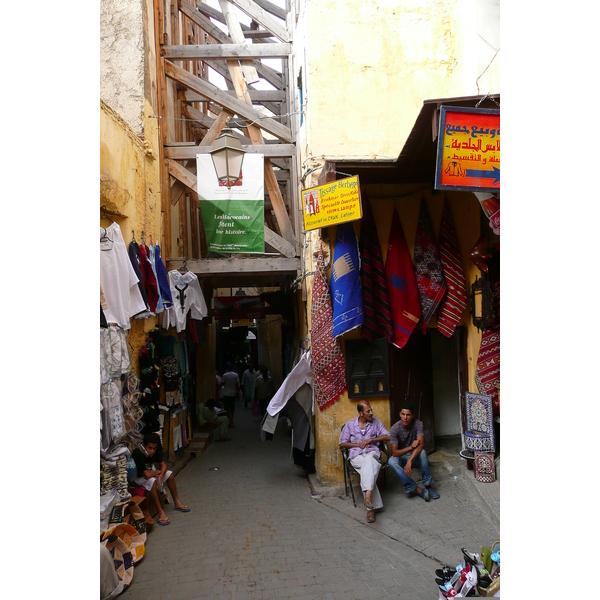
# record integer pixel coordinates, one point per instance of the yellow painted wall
(130, 189)
(384, 200)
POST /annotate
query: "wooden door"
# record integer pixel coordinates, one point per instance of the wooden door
(410, 374)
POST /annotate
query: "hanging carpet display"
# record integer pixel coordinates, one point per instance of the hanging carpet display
(428, 267)
(455, 302)
(402, 286)
(377, 320)
(487, 371)
(346, 293)
(329, 369)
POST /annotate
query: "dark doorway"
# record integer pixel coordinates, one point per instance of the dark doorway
(410, 377)
(430, 370)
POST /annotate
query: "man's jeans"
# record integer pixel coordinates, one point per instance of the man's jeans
(397, 464)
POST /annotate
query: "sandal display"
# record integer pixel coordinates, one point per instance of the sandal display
(478, 575)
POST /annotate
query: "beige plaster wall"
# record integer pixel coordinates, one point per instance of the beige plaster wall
(369, 64)
(122, 59)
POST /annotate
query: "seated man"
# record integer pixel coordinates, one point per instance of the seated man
(362, 436)
(152, 479)
(208, 414)
(406, 440)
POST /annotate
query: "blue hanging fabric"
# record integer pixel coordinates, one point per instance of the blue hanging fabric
(346, 291)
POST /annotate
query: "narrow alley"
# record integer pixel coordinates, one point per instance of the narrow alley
(257, 530)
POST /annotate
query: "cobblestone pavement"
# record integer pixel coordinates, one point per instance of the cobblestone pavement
(257, 530)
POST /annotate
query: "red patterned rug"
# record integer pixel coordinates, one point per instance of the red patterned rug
(402, 286)
(455, 302)
(487, 371)
(428, 267)
(328, 366)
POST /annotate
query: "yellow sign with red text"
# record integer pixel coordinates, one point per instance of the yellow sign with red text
(332, 203)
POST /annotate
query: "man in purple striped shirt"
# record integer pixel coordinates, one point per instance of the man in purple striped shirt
(361, 436)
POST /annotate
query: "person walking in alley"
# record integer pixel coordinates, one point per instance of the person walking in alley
(230, 383)
(407, 440)
(248, 384)
(152, 479)
(264, 388)
(361, 436)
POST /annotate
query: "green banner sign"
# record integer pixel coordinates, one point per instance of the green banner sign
(233, 218)
(234, 225)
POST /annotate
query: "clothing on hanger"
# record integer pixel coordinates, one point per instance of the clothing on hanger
(134, 257)
(187, 297)
(151, 255)
(163, 278)
(118, 279)
(148, 278)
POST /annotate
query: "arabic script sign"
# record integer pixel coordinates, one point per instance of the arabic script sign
(468, 156)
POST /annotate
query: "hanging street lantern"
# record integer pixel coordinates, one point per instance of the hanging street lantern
(227, 156)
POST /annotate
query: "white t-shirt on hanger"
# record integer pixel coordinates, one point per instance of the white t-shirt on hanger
(118, 279)
(187, 296)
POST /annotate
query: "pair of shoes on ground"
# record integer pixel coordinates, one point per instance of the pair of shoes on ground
(428, 493)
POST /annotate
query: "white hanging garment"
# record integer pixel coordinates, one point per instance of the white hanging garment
(187, 297)
(118, 279)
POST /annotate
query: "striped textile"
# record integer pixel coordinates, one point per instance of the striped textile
(428, 267)
(328, 366)
(402, 286)
(487, 371)
(455, 302)
(377, 321)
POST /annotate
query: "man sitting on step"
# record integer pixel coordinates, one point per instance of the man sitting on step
(407, 441)
(152, 479)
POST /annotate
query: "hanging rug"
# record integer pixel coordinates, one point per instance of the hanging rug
(487, 371)
(328, 365)
(346, 293)
(402, 286)
(455, 302)
(428, 267)
(376, 304)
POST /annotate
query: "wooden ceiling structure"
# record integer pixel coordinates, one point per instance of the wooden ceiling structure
(193, 39)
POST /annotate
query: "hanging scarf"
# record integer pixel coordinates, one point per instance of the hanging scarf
(376, 304)
(454, 304)
(402, 286)
(328, 365)
(346, 292)
(428, 267)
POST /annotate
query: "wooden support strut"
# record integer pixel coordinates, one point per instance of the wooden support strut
(255, 134)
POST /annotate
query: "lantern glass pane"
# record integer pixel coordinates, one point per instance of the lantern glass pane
(220, 163)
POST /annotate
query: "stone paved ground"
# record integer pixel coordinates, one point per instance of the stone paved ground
(258, 531)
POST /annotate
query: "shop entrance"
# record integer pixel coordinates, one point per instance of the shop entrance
(429, 372)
